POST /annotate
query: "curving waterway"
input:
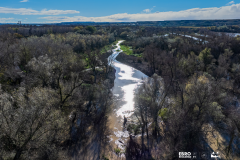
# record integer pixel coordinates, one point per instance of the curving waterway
(126, 82)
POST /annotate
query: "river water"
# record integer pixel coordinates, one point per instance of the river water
(126, 82)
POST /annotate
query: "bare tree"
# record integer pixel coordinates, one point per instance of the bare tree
(29, 121)
(92, 58)
(150, 98)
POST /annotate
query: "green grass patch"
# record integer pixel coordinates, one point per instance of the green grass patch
(126, 49)
(86, 85)
(87, 66)
(137, 55)
(163, 113)
(117, 151)
(109, 47)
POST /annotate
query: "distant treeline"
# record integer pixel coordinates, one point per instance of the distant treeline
(196, 23)
(166, 23)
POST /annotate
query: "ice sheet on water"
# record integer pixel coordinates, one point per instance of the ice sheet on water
(120, 145)
(111, 139)
(117, 95)
(120, 134)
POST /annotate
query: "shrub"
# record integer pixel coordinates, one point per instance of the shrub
(17, 35)
(91, 29)
(133, 128)
(104, 157)
(117, 151)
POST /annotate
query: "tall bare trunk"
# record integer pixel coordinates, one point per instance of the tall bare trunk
(94, 71)
(18, 154)
(142, 139)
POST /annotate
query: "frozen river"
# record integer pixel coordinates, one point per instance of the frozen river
(126, 82)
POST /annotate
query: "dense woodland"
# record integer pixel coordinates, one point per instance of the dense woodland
(55, 95)
(193, 93)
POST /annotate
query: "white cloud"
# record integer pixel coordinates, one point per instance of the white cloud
(147, 10)
(225, 12)
(24, 1)
(27, 11)
(229, 3)
(4, 20)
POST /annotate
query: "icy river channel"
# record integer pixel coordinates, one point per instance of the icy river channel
(126, 82)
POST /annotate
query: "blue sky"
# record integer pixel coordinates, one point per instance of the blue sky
(49, 11)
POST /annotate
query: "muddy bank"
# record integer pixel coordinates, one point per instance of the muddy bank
(134, 62)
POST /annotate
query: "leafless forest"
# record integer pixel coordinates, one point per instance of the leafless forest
(55, 91)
